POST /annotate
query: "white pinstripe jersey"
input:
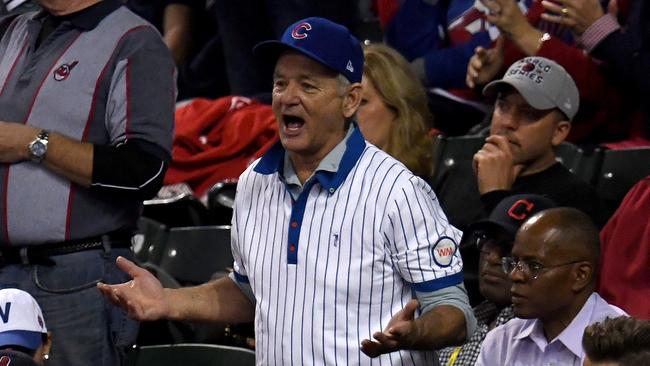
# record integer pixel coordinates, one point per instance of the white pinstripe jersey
(332, 267)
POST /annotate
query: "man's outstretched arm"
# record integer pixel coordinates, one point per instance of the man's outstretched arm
(144, 298)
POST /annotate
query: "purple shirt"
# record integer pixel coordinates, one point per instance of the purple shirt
(522, 341)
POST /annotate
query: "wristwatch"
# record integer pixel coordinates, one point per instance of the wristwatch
(38, 147)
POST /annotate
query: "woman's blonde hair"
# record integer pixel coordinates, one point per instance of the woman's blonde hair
(401, 91)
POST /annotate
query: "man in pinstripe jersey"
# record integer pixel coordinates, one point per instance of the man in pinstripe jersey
(337, 246)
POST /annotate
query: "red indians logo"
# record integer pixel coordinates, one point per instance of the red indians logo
(63, 71)
(520, 209)
(5, 361)
(528, 67)
(300, 31)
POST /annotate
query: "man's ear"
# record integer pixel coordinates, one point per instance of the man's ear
(583, 275)
(562, 129)
(352, 100)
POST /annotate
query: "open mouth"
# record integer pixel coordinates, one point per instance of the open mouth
(292, 123)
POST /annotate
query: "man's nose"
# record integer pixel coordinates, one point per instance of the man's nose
(505, 122)
(288, 95)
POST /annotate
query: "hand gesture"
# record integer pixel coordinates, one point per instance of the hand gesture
(507, 16)
(484, 65)
(494, 165)
(575, 14)
(400, 333)
(142, 298)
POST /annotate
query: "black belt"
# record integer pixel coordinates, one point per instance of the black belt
(40, 254)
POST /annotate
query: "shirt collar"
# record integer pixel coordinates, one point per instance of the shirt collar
(87, 18)
(331, 171)
(570, 337)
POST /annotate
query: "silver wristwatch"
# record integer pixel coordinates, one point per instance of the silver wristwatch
(38, 147)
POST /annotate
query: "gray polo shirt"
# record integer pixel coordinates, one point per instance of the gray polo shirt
(102, 78)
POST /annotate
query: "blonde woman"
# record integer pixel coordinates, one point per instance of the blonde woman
(393, 114)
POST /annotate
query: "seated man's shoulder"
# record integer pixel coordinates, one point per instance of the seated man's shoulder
(510, 328)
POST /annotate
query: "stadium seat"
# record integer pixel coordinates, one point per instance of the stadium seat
(619, 171)
(192, 255)
(451, 151)
(569, 155)
(580, 162)
(221, 199)
(190, 354)
(149, 239)
(181, 210)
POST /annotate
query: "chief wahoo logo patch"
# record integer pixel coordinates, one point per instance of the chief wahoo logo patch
(63, 71)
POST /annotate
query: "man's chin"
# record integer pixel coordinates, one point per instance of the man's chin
(521, 311)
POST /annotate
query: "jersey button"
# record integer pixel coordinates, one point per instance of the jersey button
(292, 248)
(294, 224)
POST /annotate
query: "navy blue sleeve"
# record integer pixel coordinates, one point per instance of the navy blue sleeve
(135, 168)
(446, 68)
(416, 29)
(626, 52)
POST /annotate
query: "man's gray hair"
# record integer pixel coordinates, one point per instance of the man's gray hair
(344, 84)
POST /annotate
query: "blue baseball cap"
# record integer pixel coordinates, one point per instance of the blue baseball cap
(327, 42)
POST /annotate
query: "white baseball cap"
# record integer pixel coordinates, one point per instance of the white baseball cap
(21, 319)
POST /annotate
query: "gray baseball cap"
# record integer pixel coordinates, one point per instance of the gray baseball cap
(542, 83)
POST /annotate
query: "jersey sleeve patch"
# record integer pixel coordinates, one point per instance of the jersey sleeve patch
(443, 251)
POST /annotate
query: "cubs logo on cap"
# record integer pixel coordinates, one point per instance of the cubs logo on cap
(300, 30)
(322, 40)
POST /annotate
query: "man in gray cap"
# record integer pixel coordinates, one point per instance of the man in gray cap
(536, 101)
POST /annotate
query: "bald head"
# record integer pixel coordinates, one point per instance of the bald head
(558, 252)
(568, 231)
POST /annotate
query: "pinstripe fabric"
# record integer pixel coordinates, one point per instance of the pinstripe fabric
(366, 235)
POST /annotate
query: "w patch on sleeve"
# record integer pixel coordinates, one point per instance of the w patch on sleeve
(443, 251)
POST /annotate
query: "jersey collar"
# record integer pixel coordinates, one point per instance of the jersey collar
(273, 161)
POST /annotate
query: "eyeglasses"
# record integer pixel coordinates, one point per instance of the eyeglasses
(533, 270)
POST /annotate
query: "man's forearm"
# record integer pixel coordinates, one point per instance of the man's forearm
(220, 301)
(69, 158)
(440, 327)
(528, 41)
